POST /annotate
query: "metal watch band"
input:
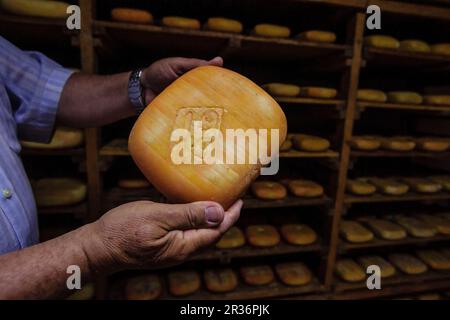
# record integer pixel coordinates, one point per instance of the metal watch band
(136, 91)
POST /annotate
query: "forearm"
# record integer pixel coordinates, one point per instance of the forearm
(40, 271)
(94, 100)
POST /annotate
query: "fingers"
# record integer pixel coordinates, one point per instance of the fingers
(183, 65)
(231, 216)
(217, 61)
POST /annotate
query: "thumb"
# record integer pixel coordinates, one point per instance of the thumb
(196, 215)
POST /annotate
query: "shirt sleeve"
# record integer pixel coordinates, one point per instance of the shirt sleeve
(35, 83)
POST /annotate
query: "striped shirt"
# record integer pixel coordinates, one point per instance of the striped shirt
(30, 88)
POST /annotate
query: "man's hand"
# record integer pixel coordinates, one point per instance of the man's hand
(145, 234)
(163, 72)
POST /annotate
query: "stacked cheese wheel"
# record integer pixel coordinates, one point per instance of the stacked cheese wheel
(271, 190)
(400, 143)
(403, 97)
(305, 143)
(411, 45)
(278, 89)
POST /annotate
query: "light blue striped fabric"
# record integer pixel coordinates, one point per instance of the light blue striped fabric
(30, 88)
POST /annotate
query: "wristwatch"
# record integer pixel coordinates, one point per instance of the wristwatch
(136, 91)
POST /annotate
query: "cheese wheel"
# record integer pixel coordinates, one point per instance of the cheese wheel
(405, 97)
(63, 138)
(281, 89)
(215, 98)
(349, 270)
(58, 192)
(423, 185)
(257, 275)
(385, 229)
(398, 144)
(365, 143)
(442, 180)
(381, 41)
(415, 227)
(304, 188)
(434, 259)
(389, 186)
(318, 36)
(318, 92)
(355, 232)
(262, 235)
(437, 100)
(407, 263)
(180, 22)
(441, 224)
(271, 30)
(268, 190)
(233, 238)
(182, 283)
(293, 273)
(286, 146)
(147, 287)
(131, 15)
(304, 142)
(371, 95)
(133, 183)
(414, 45)
(223, 25)
(429, 296)
(220, 280)
(360, 187)
(86, 292)
(441, 48)
(386, 268)
(298, 234)
(433, 144)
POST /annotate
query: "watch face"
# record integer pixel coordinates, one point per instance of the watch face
(135, 91)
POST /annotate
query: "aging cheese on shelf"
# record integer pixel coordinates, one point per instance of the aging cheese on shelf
(318, 92)
(304, 142)
(298, 234)
(58, 191)
(63, 138)
(405, 97)
(386, 268)
(269, 190)
(442, 180)
(131, 15)
(441, 48)
(434, 259)
(220, 280)
(398, 144)
(180, 22)
(182, 283)
(262, 235)
(382, 41)
(317, 36)
(36, 8)
(281, 89)
(433, 144)
(304, 188)
(423, 185)
(131, 183)
(286, 145)
(407, 263)
(371, 95)
(389, 186)
(147, 287)
(223, 25)
(360, 187)
(355, 232)
(365, 143)
(415, 227)
(414, 45)
(204, 98)
(441, 224)
(233, 238)
(293, 273)
(257, 275)
(271, 30)
(437, 100)
(349, 270)
(385, 229)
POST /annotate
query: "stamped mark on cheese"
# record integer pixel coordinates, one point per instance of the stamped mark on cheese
(210, 117)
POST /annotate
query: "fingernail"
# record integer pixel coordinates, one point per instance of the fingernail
(213, 215)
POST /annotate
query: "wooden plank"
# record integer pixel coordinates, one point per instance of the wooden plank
(398, 106)
(52, 152)
(410, 196)
(412, 9)
(312, 101)
(399, 154)
(254, 203)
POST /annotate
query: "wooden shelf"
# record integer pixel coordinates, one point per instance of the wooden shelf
(78, 210)
(398, 154)
(378, 243)
(310, 101)
(249, 251)
(397, 106)
(410, 196)
(254, 203)
(49, 152)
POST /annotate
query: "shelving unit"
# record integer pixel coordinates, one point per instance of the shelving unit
(96, 43)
